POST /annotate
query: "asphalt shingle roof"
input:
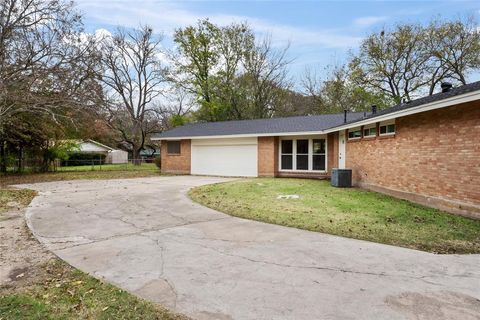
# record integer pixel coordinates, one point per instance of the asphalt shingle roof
(302, 123)
(471, 87)
(261, 126)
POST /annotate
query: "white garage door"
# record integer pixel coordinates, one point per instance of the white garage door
(225, 157)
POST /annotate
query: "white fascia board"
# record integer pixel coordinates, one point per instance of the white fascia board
(467, 97)
(232, 136)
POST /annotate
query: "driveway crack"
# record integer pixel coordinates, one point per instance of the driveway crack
(321, 268)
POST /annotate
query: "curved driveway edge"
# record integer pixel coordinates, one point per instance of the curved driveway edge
(146, 236)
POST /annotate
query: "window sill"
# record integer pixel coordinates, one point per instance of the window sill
(354, 140)
(174, 154)
(387, 136)
(302, 171)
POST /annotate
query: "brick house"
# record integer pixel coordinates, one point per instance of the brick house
(426, 151)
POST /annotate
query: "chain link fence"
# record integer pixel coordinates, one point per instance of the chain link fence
(78, 165)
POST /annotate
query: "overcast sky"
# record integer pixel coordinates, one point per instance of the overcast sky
(319, 32)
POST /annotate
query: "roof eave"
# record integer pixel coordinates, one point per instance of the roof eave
(448, 102)
(249, 135)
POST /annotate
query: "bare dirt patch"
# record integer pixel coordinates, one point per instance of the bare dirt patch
(22, 257)
(34, 284)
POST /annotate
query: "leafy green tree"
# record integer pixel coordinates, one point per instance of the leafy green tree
(338, 92)
(231, 73)
(454, 48)
(393, 63)
(410, 60)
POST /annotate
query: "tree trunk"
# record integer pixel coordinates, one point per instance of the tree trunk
(20, 159)
(136, 156)
(3, 158)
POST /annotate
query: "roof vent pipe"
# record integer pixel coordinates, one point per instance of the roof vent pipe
(374, 109)
(446, 86)
(345, 116)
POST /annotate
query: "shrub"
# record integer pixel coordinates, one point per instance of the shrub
(158, 162)
(84, 159)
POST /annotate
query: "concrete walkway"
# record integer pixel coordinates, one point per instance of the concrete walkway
(146, 236)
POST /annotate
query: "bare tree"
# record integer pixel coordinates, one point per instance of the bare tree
(454, 48)
(266, 74)
(392, 62)
(133, 76)
(178, 108)
(337, 92)
(46, 62)
(413, 59)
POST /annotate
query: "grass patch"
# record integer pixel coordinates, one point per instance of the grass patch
(76, 175)
(15, 198)
(111, 167)
(353, 213)
(71, 294)
(55, 290)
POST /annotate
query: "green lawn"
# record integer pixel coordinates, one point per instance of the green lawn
(111, 167)
(353, 213)
(71, 294)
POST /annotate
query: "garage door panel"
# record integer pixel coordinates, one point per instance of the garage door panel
(235, 159)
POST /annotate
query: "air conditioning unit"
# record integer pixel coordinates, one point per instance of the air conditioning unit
(341, 178)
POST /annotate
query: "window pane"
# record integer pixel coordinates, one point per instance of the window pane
(173, 147)
(302, 162)
(318, 162)
(370, 132)
(319, 146)
(287, 146)
(354, 134)
(287, 162)
(302, 146)
(383, 129)
(391, 128)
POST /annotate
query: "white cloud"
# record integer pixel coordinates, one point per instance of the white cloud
(165, 17)
(370, 20)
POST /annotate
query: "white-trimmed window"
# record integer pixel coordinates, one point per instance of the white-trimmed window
(370, 131)
(354, 133)
(303, 154)
(387, 128)
(318, 155)
(286, 149)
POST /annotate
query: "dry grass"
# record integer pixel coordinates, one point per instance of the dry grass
(44, 287)
(75, 175)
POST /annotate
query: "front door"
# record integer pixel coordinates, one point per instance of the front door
(341, 149)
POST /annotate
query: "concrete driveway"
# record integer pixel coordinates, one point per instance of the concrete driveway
(146, 236)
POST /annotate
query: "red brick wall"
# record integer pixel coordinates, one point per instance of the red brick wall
(332, 152)
(435, 155)
(176, 163)
(267, 156)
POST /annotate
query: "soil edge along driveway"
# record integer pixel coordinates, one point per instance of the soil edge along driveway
(146, 236)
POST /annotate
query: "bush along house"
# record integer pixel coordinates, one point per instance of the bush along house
(426, 151)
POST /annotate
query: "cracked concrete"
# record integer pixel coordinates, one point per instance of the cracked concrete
(147, 237)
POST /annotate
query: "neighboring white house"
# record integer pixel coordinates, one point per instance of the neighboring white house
(111, 155)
